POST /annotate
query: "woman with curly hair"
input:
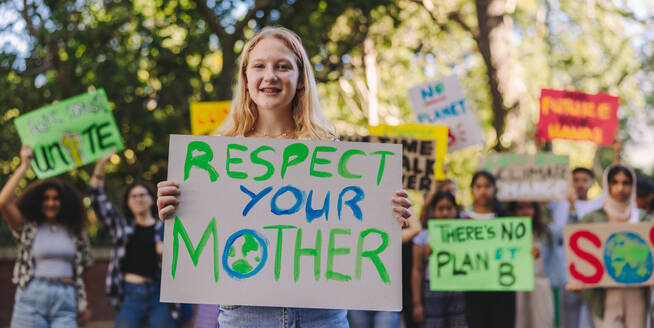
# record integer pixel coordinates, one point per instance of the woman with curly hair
(53, 251)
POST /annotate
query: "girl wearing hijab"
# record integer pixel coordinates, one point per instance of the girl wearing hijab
(618, 307)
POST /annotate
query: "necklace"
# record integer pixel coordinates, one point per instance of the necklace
(286, 134)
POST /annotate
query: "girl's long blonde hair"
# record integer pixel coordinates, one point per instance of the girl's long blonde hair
(310, 122)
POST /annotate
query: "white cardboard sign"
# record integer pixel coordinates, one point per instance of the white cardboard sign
(442, 102)
(294, 223)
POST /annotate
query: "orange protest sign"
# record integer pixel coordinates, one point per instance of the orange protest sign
(578, 116)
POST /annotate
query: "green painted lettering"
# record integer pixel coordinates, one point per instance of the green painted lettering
(180, 231)
(330, 274)
(200, 161)
(298, 151)
(372, 255)
(316, 160)
(315, 252)
(382, 163)
(342, 163)
(235, 160)
(278, 251)
(254, 157)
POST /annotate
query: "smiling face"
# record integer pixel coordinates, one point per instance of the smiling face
(620, 186)
(139, 200)
(272, 76)
(51, 204)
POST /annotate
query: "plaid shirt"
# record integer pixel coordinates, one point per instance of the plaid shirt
(121, 231)
(24, 267)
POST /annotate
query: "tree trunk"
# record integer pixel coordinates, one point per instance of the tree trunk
(225, 79)
(370, 63)
(494, 42)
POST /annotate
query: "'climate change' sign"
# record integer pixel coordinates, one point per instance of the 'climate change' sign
(276, 222)
(539, 177)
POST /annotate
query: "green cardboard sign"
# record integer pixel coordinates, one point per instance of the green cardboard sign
(70, 133)
(481, 255)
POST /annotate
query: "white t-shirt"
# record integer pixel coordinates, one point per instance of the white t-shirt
(561, 209)
(477, 216)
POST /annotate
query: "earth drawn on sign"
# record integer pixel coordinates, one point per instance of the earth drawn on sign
(627, 258)
(245, 254)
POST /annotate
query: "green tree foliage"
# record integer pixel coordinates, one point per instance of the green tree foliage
(153, 58)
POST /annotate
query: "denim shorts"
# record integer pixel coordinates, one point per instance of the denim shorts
(276, 317)
(45, 303)
(141, 305)
(377, 319)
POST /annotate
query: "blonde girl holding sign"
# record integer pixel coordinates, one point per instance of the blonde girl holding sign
(276, 97)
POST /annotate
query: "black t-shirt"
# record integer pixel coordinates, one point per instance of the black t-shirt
(140, 253)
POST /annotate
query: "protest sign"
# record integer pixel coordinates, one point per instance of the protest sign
(275, 222)
(609, 254)
(417, 159)
(481, 255)
(419, 131)
(442, 102)
(70, 133)
(206, 117)
(522, 177)
(578, 116)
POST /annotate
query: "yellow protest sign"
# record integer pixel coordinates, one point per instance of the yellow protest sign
(419, 131)
(207, 116)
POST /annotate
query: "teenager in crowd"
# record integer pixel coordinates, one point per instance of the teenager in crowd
(484, 308)
(53, 250)
(617, 307)
(134, 273)
(448, 185)
(574, 313)
(430, 308)
(536, 308)
(645, 195)
(276, 97)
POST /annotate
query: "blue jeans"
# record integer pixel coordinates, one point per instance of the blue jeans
(45, 303)
(374, 319)
(276, 317)
(140, 305)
